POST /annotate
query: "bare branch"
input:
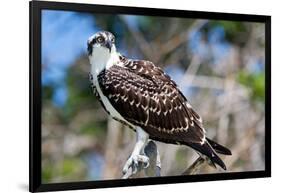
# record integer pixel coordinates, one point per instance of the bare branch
(194, 168)
(177, 40)
(146, 48)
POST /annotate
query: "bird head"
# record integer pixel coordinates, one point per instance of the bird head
(102, 41)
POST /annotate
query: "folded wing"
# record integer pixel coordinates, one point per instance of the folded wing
(147, 97)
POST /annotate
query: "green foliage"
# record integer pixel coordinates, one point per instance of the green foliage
(47, 92)
(255, 82)
(79, 91)
(235, 32)
(70, 168)
(94, 128)
(47, 173)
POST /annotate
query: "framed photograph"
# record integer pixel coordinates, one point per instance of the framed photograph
(126, 96)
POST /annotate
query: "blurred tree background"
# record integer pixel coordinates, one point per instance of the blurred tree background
(219, 66)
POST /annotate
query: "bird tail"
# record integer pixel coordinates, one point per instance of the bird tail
(219, 148)
(210, 150)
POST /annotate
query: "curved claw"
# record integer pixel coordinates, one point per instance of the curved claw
(144, 159)
(146, 165)
(133, 162)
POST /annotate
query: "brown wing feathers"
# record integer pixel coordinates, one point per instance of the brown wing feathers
(145, 96)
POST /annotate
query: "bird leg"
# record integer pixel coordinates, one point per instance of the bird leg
(138, 155)
(154, 168)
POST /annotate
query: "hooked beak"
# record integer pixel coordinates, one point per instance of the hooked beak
(108, 44)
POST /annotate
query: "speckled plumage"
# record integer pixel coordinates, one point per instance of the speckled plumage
(139, 94)
(145, 96)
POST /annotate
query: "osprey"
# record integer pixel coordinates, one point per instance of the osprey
(140, 95)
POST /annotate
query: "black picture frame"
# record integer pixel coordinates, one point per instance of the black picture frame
(35, 183)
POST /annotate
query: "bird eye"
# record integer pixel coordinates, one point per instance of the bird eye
(113, 40)
(100, 39)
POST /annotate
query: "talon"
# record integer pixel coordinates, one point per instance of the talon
(134, 161)
(134, 169)
(146, 165)
(127, 165)
(125, 170)
(144, 159)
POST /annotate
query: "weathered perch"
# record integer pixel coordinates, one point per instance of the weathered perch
(194, 168)
(154, 168)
